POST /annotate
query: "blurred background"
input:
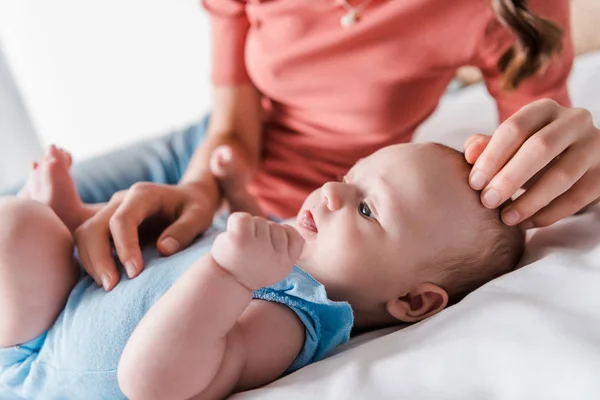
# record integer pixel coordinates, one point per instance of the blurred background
(94, 76)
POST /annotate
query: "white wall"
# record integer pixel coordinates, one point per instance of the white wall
(98, 74)
(18, 142)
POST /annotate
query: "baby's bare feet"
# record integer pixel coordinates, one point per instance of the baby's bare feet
(233, 177)
(50, 183)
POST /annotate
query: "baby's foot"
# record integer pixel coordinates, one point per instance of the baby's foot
(233, 177)
(50, 183)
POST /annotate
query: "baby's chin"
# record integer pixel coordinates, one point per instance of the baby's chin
(306, 260)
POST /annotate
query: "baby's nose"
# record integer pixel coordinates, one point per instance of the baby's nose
(330, 194)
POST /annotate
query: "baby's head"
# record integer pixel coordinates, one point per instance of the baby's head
(403, 235)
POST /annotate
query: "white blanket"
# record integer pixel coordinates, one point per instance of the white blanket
(531, 334)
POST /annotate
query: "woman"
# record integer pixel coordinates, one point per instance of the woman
(304, 89)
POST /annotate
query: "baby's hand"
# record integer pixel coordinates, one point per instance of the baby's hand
(255, 251)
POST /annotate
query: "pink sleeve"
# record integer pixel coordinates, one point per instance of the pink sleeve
(229, 27)
(551, 83)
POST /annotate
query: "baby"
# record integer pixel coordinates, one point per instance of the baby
(401, 237)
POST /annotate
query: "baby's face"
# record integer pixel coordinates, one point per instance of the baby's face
(368, 236)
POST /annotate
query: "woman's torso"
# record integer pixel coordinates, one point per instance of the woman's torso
(334, 95)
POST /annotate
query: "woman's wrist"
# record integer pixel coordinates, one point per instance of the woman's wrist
(206, 188)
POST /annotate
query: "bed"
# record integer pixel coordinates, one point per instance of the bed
(531, 334)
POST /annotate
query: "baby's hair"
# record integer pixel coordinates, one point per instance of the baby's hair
(538, 39)
(498, 249)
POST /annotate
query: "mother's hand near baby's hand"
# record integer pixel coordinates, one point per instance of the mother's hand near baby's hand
(187, 210)
(552, 151)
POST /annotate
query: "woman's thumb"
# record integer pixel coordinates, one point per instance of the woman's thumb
(474, 146)
(183, 231)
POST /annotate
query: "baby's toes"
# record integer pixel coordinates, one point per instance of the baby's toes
(55, 170)
(67, 159)
(53, 152)
(57, 157)
(52, 155)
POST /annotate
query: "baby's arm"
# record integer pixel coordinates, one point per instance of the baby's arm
(206, 337)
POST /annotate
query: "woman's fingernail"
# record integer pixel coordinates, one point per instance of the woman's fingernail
(491, 198)
(105, 281)
(511, 217)
(477, 180)
(130, 268)
(170, 245)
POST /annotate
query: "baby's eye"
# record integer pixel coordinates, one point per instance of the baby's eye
(364, 209)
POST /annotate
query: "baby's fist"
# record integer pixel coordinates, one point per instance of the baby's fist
(257, 252)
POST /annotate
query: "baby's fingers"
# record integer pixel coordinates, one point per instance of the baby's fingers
(240, 224)
(295, 242)
(279, 237)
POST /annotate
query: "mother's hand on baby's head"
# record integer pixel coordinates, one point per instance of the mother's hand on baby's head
(550, 150)
(187, 211)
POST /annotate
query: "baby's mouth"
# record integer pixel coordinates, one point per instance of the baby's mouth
(306, 222)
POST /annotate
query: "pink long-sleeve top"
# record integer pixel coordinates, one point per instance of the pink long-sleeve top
(334, 94)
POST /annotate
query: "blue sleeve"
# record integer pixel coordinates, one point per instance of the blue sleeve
(327, 323)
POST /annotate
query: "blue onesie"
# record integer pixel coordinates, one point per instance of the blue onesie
(77, 357)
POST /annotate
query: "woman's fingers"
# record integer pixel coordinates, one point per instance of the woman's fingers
(95, 250)
(192, 221)
(142, 201)
(509, 137)
(533, 156)
(570, 202)
(474, 146)
(551, 151)
(553, 183)
(122, 217)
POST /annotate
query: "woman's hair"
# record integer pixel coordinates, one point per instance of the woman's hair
(538, 39)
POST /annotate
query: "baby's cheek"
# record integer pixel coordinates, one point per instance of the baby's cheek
(311, 200)
(346, 250)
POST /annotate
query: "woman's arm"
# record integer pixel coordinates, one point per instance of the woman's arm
(235, 121)
(236, 112)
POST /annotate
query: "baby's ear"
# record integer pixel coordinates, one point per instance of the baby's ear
(424, 300)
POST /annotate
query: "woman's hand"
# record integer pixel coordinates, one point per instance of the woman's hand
(550, 150)
(187, 210)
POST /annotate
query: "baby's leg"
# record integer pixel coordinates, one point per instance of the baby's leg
(37, 269)
(233, 179)
(50, 183)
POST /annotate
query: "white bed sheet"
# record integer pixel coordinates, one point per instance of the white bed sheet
(531, 334)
